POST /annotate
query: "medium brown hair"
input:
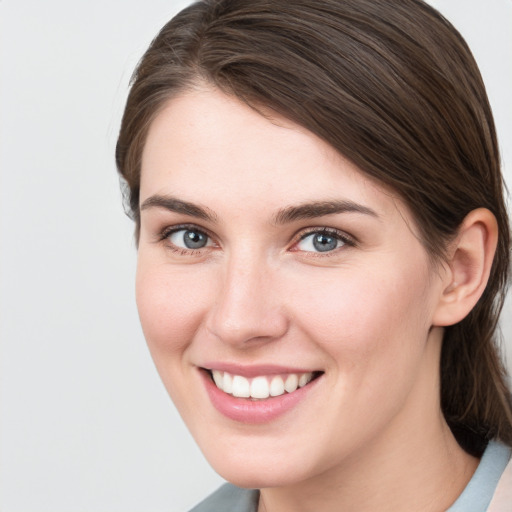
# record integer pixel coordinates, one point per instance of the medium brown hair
(394, 88)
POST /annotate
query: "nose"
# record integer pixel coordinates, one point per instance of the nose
(249, 307)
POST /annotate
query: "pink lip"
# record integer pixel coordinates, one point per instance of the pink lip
(245, 410)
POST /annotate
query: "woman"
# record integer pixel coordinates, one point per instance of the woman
(323, 251)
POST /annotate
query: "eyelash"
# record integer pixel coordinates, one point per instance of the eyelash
(347, 240)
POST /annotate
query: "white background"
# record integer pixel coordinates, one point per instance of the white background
(85, 423)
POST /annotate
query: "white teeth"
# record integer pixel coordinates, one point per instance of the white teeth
(227, 383)
(291, 383)
(259, 387)
(276, 386)
(304, 379)
(218, 378)
(241, 387)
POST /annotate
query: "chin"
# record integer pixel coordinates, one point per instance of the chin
(261, 469)
(259, 478)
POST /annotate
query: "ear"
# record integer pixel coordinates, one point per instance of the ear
(468, 267)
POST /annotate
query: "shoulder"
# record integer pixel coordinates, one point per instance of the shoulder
(502, 499)
(229, 498)
(489, 488)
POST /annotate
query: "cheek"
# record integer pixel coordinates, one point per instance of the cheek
(374, 329)
(364, 318)
(171, 305)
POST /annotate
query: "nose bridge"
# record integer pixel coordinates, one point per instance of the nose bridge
(248, 305)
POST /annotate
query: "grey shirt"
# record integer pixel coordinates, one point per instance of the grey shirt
(475, 498)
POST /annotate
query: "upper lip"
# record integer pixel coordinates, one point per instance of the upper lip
(255, 370)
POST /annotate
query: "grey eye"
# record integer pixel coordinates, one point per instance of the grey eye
(189, 239)
(319, 242)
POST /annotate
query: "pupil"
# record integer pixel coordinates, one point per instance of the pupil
(194, 240)
(323, 243)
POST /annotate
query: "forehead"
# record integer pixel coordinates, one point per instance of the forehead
(209, 147)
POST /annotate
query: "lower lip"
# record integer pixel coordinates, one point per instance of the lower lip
(245, 410)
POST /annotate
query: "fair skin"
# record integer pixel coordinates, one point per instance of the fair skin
(236, 275)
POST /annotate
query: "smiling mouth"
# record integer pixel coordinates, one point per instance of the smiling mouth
(263, 386)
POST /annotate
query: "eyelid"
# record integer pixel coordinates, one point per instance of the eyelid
(168, 230)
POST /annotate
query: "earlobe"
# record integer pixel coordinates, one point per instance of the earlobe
(469, 265)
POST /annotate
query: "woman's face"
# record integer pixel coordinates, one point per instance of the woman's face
(268, 261)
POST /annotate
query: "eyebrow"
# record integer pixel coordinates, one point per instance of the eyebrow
(178, 206)
(283, 216)
(319, 209)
